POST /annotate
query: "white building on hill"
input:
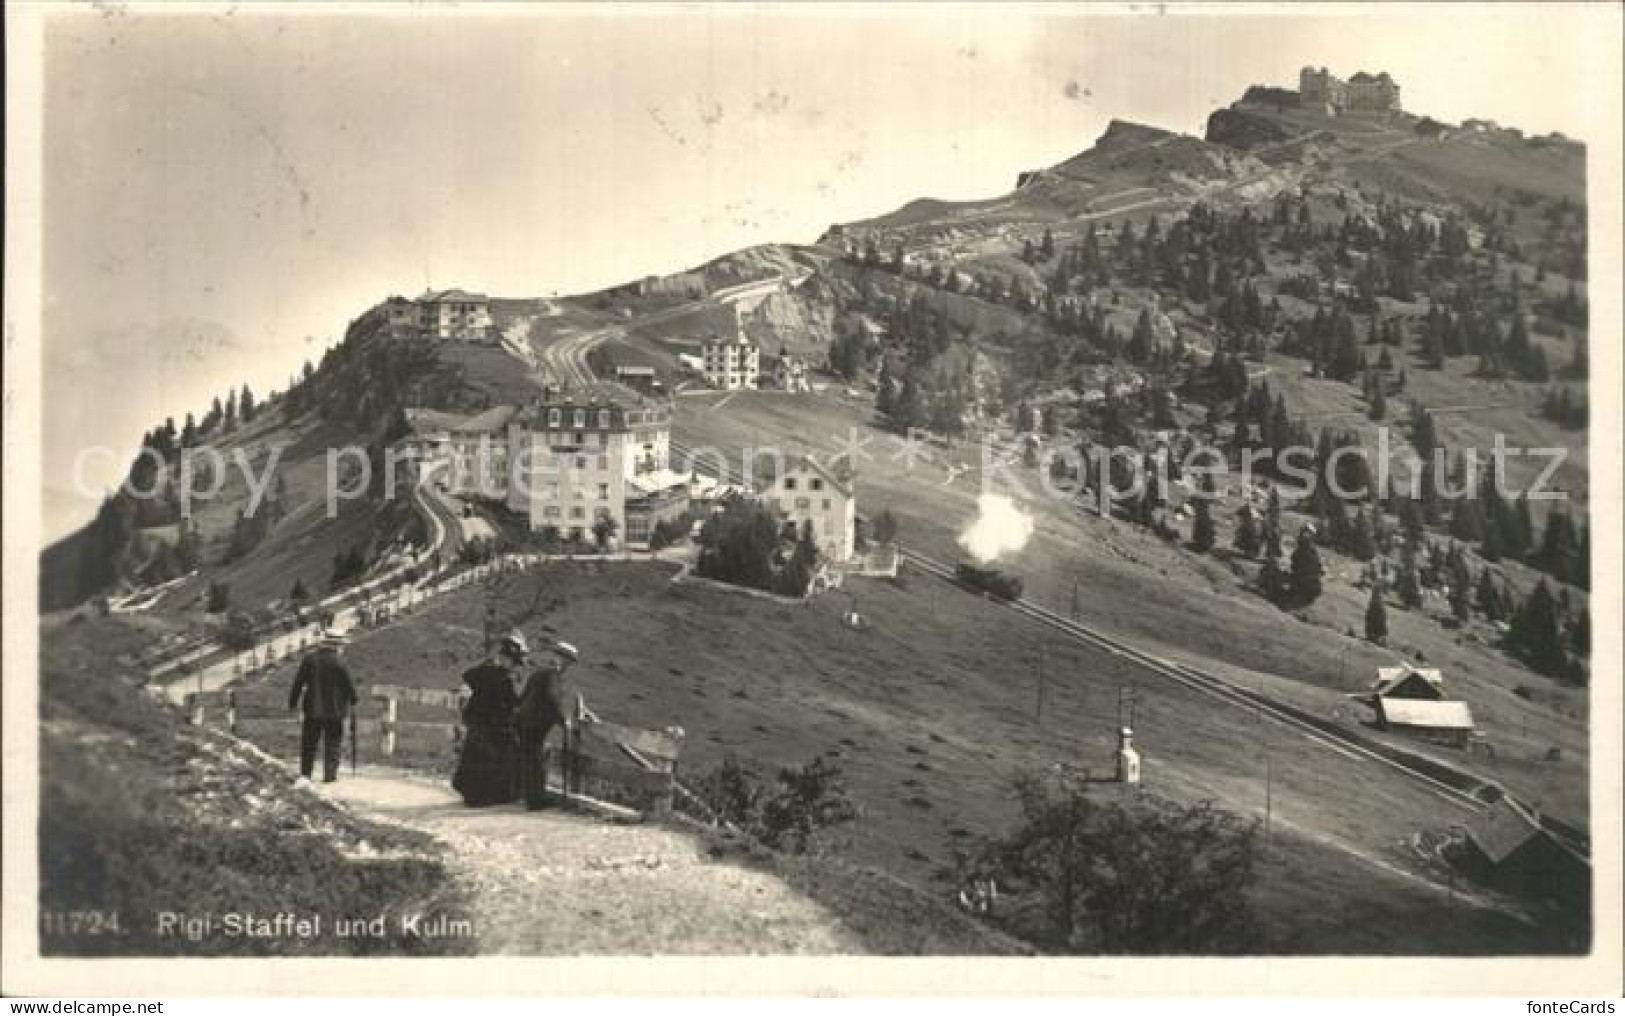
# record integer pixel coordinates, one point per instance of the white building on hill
(732, 364)
(454, 314)
(807, 493)
(450, 314)
(567, 460)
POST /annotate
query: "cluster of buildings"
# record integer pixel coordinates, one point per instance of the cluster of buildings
(451, 314)
(1363, 93)
(730, 361)
(577, 457)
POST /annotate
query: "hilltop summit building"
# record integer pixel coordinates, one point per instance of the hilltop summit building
(1363, 93)
(447, 314)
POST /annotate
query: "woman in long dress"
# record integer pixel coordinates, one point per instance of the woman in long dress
(487, 773)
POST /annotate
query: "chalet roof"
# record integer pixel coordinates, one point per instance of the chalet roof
(593, 393)
(1389, 678)
(451, 296)
(1444, 715)
(838, 476)
(1502, 829)
(489, 422)
(737, 338)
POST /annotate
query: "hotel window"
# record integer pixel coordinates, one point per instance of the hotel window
(826, 504)
(603, 419)
(578, 512)
(581, 438)
(603, 492)
(789, 483)
(803, 503)
(553, 419)
(603, 462)
(580, 419)
(817, 484)
(581, 463)
(550, 512)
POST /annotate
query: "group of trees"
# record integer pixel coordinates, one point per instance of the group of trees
(1566, 409)
(1130, 874)
(1474, 331)
(164, 443)
(1550, 631)
(351, 564)
(745, 544)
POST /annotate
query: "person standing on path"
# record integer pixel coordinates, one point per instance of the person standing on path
(325, 693)
(540, 709)
(485, 770)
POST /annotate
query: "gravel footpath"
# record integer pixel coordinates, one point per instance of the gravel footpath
(552, 883)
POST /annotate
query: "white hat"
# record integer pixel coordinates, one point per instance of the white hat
(516, 639)
(566, 650)
(334, 637)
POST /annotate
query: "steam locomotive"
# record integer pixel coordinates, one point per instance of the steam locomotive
(988, 580)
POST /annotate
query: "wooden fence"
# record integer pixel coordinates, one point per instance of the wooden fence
(594, 761)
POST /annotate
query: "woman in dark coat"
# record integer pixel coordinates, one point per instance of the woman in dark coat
(487, 773)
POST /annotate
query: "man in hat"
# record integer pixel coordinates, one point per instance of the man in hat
(325, 692)
(541, 708)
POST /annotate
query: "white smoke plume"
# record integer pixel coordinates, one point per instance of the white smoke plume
(1000, 527)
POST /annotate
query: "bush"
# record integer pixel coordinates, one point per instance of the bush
(239, 631)
(788, 815)
(1140, 875)
(219, 598)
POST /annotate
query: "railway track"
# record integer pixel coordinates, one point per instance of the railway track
(1459, 789)
(1205, 684)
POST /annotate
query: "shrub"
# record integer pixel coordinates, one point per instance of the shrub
(1140, 875)
(787, 815)
(239, 631)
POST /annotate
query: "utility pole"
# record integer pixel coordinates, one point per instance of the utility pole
(1269, 793)
(1041, 688)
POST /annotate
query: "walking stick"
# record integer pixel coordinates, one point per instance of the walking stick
(355, 740)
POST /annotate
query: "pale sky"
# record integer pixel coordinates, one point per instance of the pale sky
(225, 191)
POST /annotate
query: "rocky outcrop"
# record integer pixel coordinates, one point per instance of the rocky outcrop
(1244, 128)
(801, 320)
(1125, 134)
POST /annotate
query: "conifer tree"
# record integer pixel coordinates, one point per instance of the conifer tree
(1376, 616)
(1247, 538)
(1305, 569)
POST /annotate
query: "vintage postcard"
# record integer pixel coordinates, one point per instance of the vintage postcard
(721, 498)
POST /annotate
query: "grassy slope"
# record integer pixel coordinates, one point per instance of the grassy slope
(1185, 605)
(142, 814)
(930, 714)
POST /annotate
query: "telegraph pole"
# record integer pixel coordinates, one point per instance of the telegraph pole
(1041, 689)
(1269, 793)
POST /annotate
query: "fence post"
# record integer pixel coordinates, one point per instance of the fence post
(197, 710)
(231, 710)
(391, 715)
